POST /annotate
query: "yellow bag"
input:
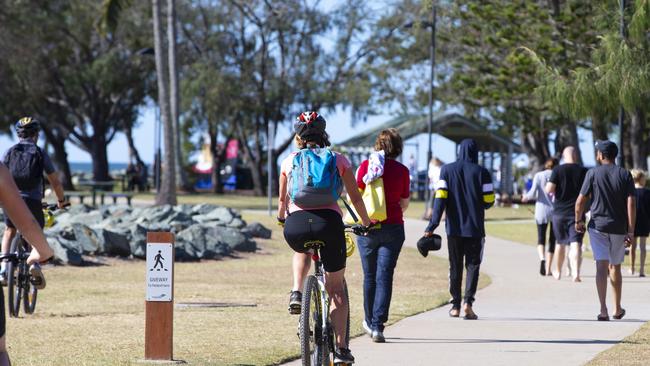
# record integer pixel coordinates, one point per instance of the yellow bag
(375, 201)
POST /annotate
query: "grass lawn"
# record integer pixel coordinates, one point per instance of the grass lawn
(95, 315)
(633, 350)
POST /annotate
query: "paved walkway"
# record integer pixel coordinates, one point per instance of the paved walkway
(524, 318)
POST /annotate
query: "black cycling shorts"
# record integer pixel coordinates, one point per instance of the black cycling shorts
(324, 225)
(36, 208)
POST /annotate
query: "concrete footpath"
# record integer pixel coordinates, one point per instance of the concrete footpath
(524, 318)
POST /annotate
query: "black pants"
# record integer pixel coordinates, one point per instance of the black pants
(541, 236)
(469, 251)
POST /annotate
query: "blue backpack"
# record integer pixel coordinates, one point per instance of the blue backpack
(314, 179)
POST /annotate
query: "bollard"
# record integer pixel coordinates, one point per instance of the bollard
(159, 304)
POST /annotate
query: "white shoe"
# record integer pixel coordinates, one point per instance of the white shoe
(367, 328)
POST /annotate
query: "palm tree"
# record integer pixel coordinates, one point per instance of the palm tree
(110, 15)
(167, 192)
(181, 177)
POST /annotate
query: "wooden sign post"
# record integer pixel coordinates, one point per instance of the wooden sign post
(159, 305)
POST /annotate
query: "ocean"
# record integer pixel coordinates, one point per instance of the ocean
(77, 167)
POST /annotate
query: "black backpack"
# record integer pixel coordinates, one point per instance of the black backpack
(25, 162)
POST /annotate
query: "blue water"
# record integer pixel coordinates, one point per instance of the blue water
(88, 167)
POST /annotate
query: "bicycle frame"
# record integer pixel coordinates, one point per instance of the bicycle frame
(319, 273)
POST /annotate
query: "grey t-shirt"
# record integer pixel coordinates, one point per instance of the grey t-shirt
(48, 168)
(610, 186)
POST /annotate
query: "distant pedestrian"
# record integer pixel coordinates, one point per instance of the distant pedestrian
(433, 173)
(611, 227)
(380, 249)
(564, 185)
(464, 192)
(642, 227)
(543, 216)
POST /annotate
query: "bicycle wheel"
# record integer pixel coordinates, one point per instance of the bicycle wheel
(14, 278)
(313, 346)
(347, 299)
(29, 297)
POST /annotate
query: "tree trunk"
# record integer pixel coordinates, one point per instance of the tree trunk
(181, 178)
(167, 192)
(599, 129)
(567, 135)
(60, 157)
(100, 158)
(637, 143)
(535, 145)
(133, 151)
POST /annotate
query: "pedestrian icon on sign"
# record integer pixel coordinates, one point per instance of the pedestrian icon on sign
(158, 258)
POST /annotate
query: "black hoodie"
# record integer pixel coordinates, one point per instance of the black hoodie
(465, 191)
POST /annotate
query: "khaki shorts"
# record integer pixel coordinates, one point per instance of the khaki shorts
(607, 247)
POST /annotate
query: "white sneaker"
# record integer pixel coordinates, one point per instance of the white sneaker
(367, 328)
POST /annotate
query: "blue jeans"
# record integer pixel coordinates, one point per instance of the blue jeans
(379, 252)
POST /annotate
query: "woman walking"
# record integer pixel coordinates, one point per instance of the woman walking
(543, 215)
(642, 227)
(380, 249)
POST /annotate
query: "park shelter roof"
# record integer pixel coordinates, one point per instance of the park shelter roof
(453, 126)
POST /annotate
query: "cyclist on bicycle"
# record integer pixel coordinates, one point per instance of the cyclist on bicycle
(15, 208)
(313, 214)
(27, 162)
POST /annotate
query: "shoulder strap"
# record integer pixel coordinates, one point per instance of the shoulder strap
(350, 210)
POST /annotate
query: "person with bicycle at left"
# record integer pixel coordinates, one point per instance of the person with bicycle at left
(27, 162)
(314, 213)
(16, 209)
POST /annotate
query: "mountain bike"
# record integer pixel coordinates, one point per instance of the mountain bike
(19, 280)
(315, 329)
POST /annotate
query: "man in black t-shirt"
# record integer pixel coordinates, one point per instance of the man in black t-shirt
(564, 185)
(611, 228)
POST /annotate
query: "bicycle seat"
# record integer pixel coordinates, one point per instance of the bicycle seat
(314, 244)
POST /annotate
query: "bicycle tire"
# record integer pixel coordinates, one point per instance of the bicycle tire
(29, 298)
(313, 348)
(347, 299)
(14, 277)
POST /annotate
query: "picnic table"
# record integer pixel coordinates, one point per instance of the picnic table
(97, 188)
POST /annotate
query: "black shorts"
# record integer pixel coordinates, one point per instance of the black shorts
(324, 225)
(35, 207)
(565, 230)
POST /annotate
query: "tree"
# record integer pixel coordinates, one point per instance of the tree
(174, 95)
(251, 69)
(479, 69)
(617, 74)
(72, 69)
(167, 192)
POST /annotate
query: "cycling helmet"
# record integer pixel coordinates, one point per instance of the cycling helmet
(27, 127)
(309, 124)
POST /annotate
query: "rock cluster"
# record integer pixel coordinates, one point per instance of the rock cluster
(202, 231)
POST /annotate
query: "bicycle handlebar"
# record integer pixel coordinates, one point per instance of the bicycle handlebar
(361, 229)
(54, 207)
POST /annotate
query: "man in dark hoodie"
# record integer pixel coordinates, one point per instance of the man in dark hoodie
(464, 191)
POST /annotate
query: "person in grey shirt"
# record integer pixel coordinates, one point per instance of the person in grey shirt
(543, 215)
(611, 228)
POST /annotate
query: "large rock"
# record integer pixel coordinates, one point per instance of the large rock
(203, 208)
(114, 243)
(139, 241)
(202, 242)
(257, 230)
(64, 252)
(87, 239)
